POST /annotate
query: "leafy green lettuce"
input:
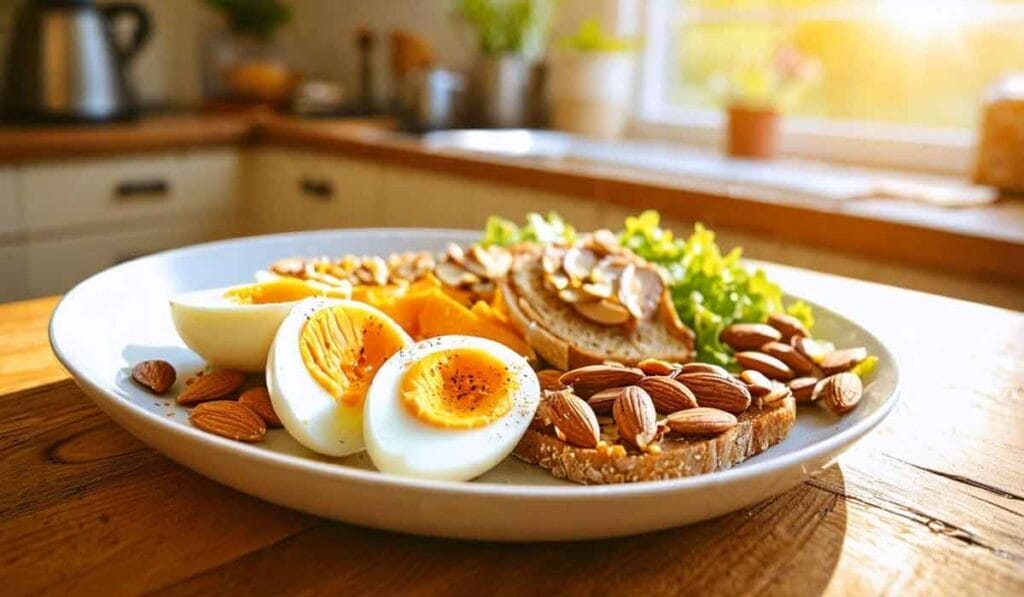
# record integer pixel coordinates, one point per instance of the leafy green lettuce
(538, 228)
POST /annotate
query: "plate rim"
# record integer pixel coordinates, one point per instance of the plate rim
(335, 471)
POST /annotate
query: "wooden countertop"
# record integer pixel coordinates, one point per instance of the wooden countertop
(985, 241)
(930, 502)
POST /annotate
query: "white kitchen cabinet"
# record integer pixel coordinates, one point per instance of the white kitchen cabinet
(297, 190)
(103, 190)
(13, 283)
(10, 213)
(426, 199)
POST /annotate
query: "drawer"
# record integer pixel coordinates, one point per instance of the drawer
(55, 266)
(10, 216)
(13, 284)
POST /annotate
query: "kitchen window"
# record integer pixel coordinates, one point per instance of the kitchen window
(901, 82)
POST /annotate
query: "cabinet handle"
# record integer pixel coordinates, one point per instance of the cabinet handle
(317, 188)
(132, 190)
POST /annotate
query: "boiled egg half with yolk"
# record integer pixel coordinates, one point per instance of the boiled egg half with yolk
(324, 356)
(233, 327)
(448, 408)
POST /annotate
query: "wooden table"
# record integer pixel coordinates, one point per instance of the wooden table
(932, 502)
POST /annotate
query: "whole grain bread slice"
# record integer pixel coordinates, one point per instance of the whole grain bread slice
(758, 430)
(567, 340)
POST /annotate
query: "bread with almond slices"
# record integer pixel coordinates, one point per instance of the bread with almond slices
(566, 339)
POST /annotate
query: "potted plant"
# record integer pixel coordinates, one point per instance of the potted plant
(755, 94)
(244, 63)
(591, 82)
(510, 33)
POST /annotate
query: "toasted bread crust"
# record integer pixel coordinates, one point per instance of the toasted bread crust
(758, 430)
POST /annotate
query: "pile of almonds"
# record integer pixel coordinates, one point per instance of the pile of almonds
(221, 404)
(781, 352)
(398, 268)
(476, 269)
(602, 281)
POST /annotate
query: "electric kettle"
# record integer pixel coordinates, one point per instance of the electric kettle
(65, 64)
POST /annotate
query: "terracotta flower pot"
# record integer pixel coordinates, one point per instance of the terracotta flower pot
(753, 133)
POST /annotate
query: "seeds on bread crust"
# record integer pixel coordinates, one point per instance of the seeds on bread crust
(636, 417)
(701, 421)
(575, 422)
(594, 378)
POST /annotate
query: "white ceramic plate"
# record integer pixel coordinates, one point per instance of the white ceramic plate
(121, 316)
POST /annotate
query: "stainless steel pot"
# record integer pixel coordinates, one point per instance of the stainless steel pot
(429, 100)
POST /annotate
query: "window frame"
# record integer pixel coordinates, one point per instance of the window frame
(946, 151)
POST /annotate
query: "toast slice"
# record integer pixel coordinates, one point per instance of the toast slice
(567, 340)
(758, 430)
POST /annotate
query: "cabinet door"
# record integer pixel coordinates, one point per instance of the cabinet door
(212, 179)
(419, 198)
(10, 216)
(13, 283)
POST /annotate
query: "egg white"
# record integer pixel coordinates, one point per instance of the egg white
(309, 413)
(399, 443)
(223, 331)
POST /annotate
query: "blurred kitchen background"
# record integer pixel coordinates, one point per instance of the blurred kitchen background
(877, 139)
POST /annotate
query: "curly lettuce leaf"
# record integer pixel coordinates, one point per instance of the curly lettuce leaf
(538, 228)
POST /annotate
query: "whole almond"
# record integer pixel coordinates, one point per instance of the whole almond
(156, 376)
(772, 367)
(667, 394)
(788, 355)
(757, 383)
(603, 401)
(593, 378)
(803, 389)
(788, 326)
(701, 421)
(573, 419)
(636, 417)
(212, 386)
(748, 336)
(701, 368)
(812, 350)
(713, 390)
(548, 379)
(229, 419)
(258, 400)
(838, 361)
(656, 367)
(841, 392)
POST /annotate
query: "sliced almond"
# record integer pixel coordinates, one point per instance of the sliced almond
(551, 259)
(629, 291)
(455, 253)
(557, 281)
(578, 262)
(788, 326)
(218, 384)
(749, 336)
(716, 391)
(788, 355)
(636, 417)
(604, 241)
(603, 311)
(594, 378)
(292, 267)
(495, 261)
(772, 367)
(609, 269)
(757, 383)
(258, 400)
(701, 421)
(656, 367)
(667, 394)
(574, 296)
(600, 290)
(651, 287)
(574, 419)
(378, 269)
(229, 419)
(838, 361)
(156, 376)
(841, 392)
(449, 273)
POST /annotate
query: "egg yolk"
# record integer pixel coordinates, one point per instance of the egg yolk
(342, 349)
(461, 388)
(284, 290)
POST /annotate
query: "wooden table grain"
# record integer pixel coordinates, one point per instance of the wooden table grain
(932, 502)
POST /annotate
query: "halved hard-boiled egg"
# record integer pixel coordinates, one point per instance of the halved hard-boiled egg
(233, 327)
(449, 408)
(323, 358)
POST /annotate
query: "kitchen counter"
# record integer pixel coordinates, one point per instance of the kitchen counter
(930, 502)
(985, 241)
